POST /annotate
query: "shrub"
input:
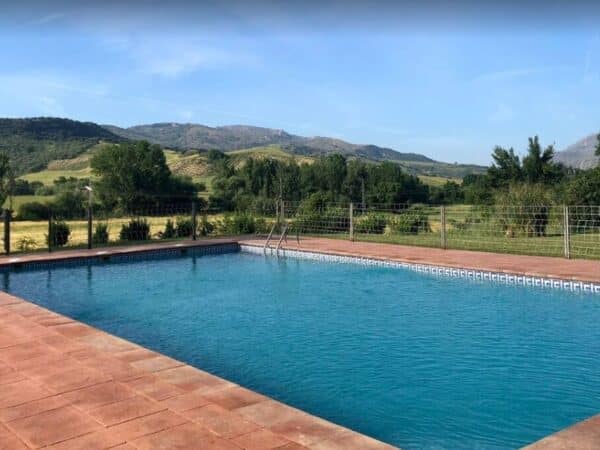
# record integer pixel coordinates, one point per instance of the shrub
(100, 234)
(327, 220)
(411, 221)
(371, 223)
(33, 211)
(59, 233)
(169, 232)
(524, 209)
(135, 230)
(26, 244)
(205, 227)
(184, 227)
(242, 223)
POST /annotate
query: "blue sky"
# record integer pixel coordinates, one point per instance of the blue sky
(449, 91)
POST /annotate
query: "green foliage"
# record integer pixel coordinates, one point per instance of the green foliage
(136, 175)
(59, 233)
(135, 230)
(33, 211)
(185, 227)
(169, 231)
(32, 143)
(449, 193)
(597, 152)
(524, 209)
(26, 244)
(100, 235)
(410, 221)
(205, 227)
(372, 223)
(6, 177)
(584, 189)
(242, 223)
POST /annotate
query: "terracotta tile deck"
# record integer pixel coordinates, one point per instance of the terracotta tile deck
(542, 266)
(65, 385)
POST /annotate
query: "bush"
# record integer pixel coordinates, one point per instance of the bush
(100, 235)
(327, 220)
(26, 244)
(242, 223)
(371, 223)
(205, 227)
(135, 230)
(169, 232)
(410, 221)
(524, 209)
(33, 211)
(59, 234)
(184, 228)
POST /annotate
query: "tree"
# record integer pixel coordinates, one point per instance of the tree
(506, 167)
(135, 173)
(6, 178)
(598, 145)
(538, 166)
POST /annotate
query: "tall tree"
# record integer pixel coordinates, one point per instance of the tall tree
(6, 178)
(598, 145)
(538, 166)
(506, 167)
(132, 171)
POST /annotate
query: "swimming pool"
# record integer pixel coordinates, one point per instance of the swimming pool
(412, 359)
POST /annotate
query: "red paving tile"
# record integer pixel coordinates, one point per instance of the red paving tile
(125, 410)
(184, 437)
(53, 426)
(99, 395)
(260, 439)
(220, 421)
(102, 439)
(143, 426)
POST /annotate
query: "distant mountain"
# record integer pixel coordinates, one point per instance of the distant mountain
(32, 143)
(580, 155)
(236, 137)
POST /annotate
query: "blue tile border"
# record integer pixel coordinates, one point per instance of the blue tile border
(104, 256)
(499, 277)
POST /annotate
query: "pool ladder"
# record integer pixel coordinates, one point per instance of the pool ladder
(281, 238)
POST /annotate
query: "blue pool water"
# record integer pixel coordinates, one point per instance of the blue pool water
(414, 360)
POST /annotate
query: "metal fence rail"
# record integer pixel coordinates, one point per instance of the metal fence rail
(568, 231)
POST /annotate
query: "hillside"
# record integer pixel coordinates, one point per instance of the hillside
(580, 155)
(33, 143)
(239, 137)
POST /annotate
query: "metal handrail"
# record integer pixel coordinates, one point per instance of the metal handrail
(283, 235)
(269, 237)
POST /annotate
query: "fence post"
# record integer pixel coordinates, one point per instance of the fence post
(566, 232)
(7, 231)
(89, 227)
(444, 242)
(351, 221)
(49, 232)
(194, 216)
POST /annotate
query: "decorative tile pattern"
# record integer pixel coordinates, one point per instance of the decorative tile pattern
(497, 277)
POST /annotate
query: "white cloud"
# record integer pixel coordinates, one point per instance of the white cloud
(174, 56)
(49, 18)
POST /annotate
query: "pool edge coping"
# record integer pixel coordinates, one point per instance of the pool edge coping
(501, 276)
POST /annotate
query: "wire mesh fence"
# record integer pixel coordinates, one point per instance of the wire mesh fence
(572, 231)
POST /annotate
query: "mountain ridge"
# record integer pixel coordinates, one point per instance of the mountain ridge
(580, 155)
(185, 136)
